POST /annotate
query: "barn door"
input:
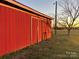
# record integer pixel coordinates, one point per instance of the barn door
(34, 30)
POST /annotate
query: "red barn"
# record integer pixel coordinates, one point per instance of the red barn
(21, 26)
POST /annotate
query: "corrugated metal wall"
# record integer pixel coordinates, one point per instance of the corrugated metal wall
(19, 29)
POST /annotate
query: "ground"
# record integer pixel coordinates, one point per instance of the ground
(60, 46)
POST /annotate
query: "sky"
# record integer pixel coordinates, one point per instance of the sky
(43, 6)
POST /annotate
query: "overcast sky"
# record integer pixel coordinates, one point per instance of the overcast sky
(44, 6)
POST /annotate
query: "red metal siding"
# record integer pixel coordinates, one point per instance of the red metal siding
(34, 25)
(19, 29)
(44, 30)
(15, 30)
(39, 31)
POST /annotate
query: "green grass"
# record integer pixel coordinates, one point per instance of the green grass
(60, 46)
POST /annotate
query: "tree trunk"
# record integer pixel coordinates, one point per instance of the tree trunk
(69, 31)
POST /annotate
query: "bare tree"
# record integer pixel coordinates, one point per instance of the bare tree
(70, 12)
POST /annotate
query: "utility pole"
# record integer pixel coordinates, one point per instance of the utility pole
(55, 18)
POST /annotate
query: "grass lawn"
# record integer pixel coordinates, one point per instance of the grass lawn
(60, 46)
